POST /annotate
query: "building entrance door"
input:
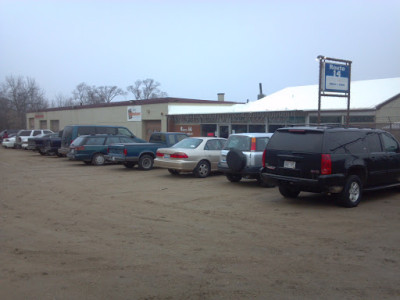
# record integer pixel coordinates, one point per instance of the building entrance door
(223, 131)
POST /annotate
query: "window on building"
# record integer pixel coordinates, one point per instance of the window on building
(326, 119)
(208, 129)
(257, 128)
(362, 119)
(238, 128)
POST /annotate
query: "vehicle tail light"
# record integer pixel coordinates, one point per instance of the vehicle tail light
(253, 144)
(108, 150)
(179, 155)
(263, 157)
(80, 148)
(159, 154)
(125, 152)
(326, 164)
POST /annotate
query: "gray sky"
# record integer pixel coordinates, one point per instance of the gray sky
(195, 49)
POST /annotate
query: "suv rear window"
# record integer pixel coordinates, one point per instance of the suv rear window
(300, 141)
(239, 142)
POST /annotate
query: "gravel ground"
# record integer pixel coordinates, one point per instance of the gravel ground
(72, 231)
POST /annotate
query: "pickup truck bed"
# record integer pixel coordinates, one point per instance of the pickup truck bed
(142, 154)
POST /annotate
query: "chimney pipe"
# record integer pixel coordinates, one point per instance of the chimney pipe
(260, 95)
(221, 97)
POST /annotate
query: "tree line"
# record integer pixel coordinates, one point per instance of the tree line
(19, 95)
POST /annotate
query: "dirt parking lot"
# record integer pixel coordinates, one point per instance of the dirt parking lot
(72, 231)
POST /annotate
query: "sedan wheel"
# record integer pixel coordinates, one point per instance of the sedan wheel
(202, 170)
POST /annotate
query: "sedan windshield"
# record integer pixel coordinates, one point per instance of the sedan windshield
(188, 143)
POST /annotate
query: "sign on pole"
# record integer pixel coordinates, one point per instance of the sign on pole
(334, 81)
(336, 78)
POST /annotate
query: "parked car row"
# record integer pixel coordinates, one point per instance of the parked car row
(339, 162)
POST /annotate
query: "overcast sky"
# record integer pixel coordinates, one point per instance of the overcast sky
(194, 48)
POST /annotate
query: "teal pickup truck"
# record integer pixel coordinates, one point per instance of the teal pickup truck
(142, 154)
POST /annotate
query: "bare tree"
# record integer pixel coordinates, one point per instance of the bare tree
(61, 100)
(108, 93)
(80, 94)
(23, 95)
(146, 89)
(85, 94)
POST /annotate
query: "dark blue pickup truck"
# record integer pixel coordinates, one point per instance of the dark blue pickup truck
(142, 154)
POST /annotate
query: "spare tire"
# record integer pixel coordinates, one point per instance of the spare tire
(236, 160)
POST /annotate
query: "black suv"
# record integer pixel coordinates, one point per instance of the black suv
(340, 161)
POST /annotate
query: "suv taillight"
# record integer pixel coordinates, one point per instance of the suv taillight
(263, 158)
(253, 144)
(125, 152)
(326, 164)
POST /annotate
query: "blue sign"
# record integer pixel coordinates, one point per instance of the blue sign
(336, 78)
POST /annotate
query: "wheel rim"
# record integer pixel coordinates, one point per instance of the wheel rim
(146, 163)
(203, 169)
(99, 160)
(354, 192)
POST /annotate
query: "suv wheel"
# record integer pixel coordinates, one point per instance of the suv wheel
(288, 192)
(98, 159)
(145, 162)
(352, 192)
(236, 160)
(234, 177)
(202, 170)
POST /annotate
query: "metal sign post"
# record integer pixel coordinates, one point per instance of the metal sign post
(334, 81)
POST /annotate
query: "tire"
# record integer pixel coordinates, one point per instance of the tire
(145, 162)
(352, 192)
(129, 165)
(233, 177)
(98, 159)
(173, 171)
(288, 192)
(236, 160)
(202, 169)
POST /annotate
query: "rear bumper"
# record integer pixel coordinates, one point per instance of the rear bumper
(333, 183)
(253, 172)
(184, 166)
(120, 158)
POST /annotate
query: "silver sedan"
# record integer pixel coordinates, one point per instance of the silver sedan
(199, 155)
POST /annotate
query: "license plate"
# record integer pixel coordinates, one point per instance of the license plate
(113, 158)
(289, 164)
(166, 156)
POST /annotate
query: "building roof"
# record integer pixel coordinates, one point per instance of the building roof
(366, 94)
(168, 100)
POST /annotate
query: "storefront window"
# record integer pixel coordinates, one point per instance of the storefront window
(239, 128)
(208, 129)
(257, 128)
